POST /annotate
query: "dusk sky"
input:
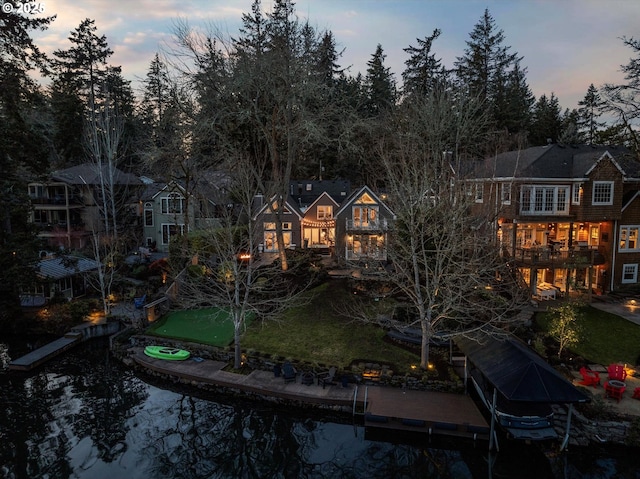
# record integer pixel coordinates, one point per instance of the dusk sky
(566, 44)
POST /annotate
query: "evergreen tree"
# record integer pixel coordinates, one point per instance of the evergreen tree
(485, 71)
(23, 152)
(80, 73)
(424, 72)
(327, 60)
(84, 64)
(547, 125)
(588, 114)
(380, 85)
(517, 112)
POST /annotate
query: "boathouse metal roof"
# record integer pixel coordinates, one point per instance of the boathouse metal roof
(518, 372)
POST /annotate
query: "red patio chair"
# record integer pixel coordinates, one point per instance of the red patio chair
(636, 393)
(589, 377)
(617, 372)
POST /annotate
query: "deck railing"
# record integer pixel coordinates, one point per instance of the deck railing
(549, 258)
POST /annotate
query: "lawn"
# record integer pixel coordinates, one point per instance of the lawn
(605, 338)
(316, 333)
(207, 326)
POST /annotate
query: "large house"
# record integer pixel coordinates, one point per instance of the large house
(326, 217)
(67, 206)
(567, 216)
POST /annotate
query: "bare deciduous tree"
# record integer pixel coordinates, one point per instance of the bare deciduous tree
(224, 271)
(444, 260)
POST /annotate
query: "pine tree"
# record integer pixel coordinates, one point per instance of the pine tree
(23, 151)
(485, 71)
(84, 64)
(547, 121)
(379, 84)
(588, 114)
(424, 73)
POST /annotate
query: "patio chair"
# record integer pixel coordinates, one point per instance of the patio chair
(617, 372)
(589, 377)
(327, 377)
(289, 373)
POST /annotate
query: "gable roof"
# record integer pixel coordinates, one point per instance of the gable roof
(557, 162)
(324, 198)
(519, 373)
(266, 208)
(89, 174)
(357, 194)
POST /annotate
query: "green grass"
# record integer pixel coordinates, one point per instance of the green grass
(605, 338)
(316, 333)
(210, 326)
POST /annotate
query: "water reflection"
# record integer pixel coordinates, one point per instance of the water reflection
(85, 415)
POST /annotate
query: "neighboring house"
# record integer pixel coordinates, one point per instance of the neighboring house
(66, 207)
(566, 215)
(62, 275)
(363, 223)
(168, 210)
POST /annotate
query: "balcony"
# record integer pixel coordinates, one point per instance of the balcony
(59, 200)
(546, 257)
(375, 225)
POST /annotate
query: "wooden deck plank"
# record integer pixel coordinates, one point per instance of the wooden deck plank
(428, 406)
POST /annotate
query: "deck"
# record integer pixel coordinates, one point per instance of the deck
(424, 411)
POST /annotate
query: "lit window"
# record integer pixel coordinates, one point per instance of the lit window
(577, 193)
(325, 212)
(629, 239)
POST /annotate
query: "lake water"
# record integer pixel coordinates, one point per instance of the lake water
(85, 415)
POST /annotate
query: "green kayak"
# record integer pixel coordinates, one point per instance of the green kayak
(164, 352)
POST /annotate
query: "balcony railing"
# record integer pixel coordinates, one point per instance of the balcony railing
(359, 225)
(553, 258)
(57, 200)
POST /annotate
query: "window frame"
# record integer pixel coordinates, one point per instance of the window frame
(631, 268)
(327, 212)
(576, 193)
(169, 202)
(626, 236)
(505, 193)
(544, 200)
(594, 193)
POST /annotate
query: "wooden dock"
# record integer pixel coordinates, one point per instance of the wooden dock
(46, 352)
(428, 412)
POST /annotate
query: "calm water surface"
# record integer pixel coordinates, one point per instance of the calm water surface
(85, 415)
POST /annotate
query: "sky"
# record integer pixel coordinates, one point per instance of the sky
(566, 45)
